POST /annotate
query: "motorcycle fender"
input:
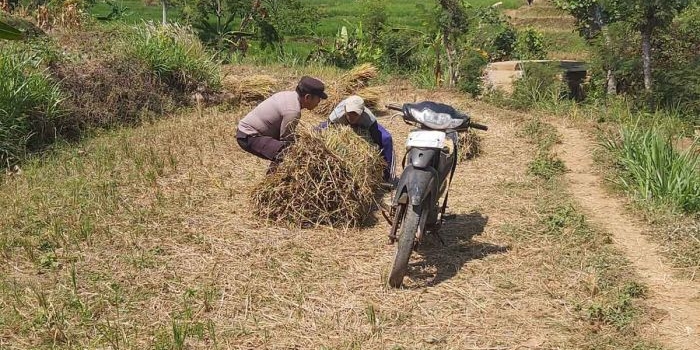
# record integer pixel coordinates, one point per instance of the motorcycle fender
(417, 184)
(422, 158)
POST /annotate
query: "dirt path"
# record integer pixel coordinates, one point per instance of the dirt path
(680, 300)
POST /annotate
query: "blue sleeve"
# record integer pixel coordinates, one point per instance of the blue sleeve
(387, 145)
(375, 134)
(322, 126)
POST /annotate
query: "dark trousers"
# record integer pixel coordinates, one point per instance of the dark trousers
(264, 147)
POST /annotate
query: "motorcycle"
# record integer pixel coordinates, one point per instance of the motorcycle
(428, 167)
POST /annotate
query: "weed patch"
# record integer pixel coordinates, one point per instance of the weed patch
(682, 243)
(546, 166)
(118, 91)
(618, 309)
(544, 136)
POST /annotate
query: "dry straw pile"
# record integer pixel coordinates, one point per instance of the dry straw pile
(355, 82)
(328, 177)
(469, 145)
(253, 88)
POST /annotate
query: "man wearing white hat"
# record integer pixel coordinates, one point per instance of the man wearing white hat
(352, 112)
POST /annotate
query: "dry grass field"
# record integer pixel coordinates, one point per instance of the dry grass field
(144, 238)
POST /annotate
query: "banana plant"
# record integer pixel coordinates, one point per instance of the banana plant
(8, 32)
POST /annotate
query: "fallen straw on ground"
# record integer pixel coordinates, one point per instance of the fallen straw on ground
(328, 177)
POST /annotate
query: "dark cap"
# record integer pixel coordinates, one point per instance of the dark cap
(312, 86)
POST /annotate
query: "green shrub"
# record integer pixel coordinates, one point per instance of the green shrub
(677, 65)
(546, 166)
(530, 45)
(539, 83)
(399, 49)
(29, 104)
(343, 54)
(471, 72)
(654, 172)
(504, 45)
(492, 33)
(176, 55)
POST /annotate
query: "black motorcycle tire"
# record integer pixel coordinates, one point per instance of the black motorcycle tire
(409, 228)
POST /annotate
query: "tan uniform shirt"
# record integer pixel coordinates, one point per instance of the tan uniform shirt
(275, 117)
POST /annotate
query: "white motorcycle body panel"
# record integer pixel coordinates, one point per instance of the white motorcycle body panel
(426, 139)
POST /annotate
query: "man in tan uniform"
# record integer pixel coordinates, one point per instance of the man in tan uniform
(269, 127)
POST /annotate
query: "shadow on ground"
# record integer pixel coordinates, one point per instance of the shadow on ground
(437, 263)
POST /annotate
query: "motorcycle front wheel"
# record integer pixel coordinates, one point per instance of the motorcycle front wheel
(410, 224)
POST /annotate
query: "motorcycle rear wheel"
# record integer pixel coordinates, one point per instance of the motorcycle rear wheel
(409, 228)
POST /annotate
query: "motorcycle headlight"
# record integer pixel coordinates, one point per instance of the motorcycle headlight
(435, 120)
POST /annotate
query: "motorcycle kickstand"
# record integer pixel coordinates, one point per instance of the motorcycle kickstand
(437, 234)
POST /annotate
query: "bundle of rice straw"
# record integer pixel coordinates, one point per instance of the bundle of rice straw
(371, 96)
(328, 177)
(349, 84)
(469, 145)
(254, 88)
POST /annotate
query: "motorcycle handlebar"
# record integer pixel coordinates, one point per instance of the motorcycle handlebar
(398, 107)
(394, 106)
(478, 126)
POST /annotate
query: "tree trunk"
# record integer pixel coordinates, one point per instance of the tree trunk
(602, 26)
(438, 64)
(612, 83)
(165, 20)
(612, 80)
(451, 69)
(646, 58)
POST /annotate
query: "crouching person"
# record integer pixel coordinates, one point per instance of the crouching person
(269, 127)
(352, 112)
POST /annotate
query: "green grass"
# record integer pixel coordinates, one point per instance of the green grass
(29, 102)
(334, 14)
(647, 164)
(565, 45)
(176, 56)
(654, 172)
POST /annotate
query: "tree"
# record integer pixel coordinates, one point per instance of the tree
(453, 22)
(592, 20)
(645, 16)
(648, 16)
(250, 17)
(165, 4)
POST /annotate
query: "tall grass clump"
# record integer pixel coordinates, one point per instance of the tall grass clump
(175, 54)
(29, 104)
(540, 86)
(654, 171)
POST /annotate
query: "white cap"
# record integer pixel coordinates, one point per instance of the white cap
(354, 104)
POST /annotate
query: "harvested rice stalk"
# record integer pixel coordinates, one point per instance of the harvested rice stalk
(370, 95)
(252, 88)
(358, 77)
(329, 178)
(469, 145)
(349, 84)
